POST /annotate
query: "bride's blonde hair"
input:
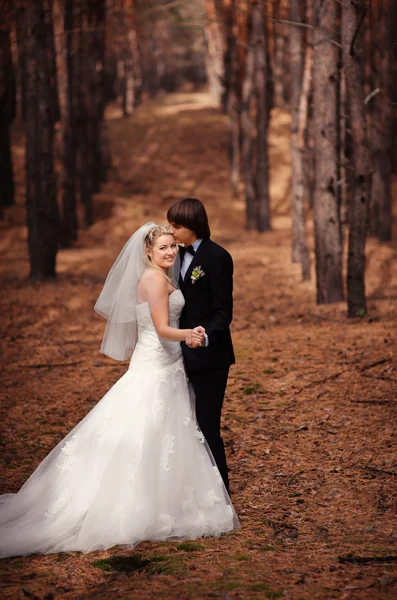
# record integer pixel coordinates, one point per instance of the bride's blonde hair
(149, 239)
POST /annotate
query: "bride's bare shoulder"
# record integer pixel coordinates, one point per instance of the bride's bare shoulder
(153, 278)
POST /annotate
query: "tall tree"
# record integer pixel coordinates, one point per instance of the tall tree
(393, 52)
(247, 127)
(263, 98)
(69, 197)
(300, 251)
(41, 201)
(353, 12)
(215, 50)
(326, 207)
(232, 91)
(128, 55)
(91, 104)
(280, 13)
(380, 110)
(7, 108)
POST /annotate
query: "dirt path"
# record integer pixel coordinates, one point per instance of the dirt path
(310, 414)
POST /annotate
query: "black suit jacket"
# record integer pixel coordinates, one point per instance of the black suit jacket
(209, 302)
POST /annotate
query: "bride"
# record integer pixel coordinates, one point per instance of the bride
(137, 467)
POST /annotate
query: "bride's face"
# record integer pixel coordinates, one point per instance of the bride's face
(163, 252)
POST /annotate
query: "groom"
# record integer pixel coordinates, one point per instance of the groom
(206, 281)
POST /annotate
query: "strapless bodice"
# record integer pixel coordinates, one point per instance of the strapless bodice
(151, 351)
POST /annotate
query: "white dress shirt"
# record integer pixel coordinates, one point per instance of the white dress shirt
(187, 261)
(187, 258)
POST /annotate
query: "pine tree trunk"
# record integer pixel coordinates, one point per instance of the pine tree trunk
(214, 52)
(393, 92)
(91, 171)
(7, 111)
(262, 118)
(86, 157)
(51, 58)
(326, 210)
(231, 95)
(306, 120)
(298, 99)
(278, 56)
(380, 112)
(21, 34)
(352, 12)
(247, 132)
(69, 211)
(41, 201)
(128, 61)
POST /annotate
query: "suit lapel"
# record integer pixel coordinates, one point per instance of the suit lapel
(194, 263)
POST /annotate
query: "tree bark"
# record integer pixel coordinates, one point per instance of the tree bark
(380, 112)
(7, 110)
(326, 210)
(352, 13)
(213, 35)
(262, 118)
(247, 131)
(69, 200)
(231, 93)
(299, 112)
(129, 61)
(279, 50)
(41, 201)
(393, 46)
(91, 105)
(51, 58)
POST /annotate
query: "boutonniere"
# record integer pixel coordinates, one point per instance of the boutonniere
(196, 274)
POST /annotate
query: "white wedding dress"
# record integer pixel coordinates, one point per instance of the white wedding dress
(136, 468)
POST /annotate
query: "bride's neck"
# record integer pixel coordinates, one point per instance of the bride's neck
(160, 270)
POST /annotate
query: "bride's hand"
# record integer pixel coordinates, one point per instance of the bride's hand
(196, 337)
(199, 334)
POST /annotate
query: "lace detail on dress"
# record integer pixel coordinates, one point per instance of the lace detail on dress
(159, 410)
(167, 448)
(69, 451)
(135, 459)
(56, 506)
(166, 523)
(168, 379)
(212, 498)
(103, 429)
(199, 434)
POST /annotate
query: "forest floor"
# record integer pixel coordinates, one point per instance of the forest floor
(310, 415)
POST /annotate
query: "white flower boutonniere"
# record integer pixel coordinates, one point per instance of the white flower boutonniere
(196, 274)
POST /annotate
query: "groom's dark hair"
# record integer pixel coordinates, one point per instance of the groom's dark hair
(190, 213)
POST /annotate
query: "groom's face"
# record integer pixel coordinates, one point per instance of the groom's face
(183, 235)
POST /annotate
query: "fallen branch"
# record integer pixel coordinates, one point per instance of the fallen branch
(50, 365)
(328, 430)
(381, 377)
(293, 477)
(334, 376)
(366, 560)
(375, 470)
(374, 364)
(371, 401)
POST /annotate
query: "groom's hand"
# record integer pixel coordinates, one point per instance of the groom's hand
(199, 332)
(192, 342)
(196, 338)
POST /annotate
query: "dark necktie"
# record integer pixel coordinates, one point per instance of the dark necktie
(191, 250)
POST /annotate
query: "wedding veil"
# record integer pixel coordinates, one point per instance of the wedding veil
(117, 301)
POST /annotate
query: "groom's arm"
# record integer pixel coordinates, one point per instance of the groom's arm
(221, 284)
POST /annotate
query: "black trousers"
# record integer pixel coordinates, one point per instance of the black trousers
(209, 387)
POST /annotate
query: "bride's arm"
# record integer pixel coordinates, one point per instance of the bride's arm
(156, 289)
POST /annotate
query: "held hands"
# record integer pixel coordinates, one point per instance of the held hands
(196, 338)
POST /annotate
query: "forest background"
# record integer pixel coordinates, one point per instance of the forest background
(281, 116)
